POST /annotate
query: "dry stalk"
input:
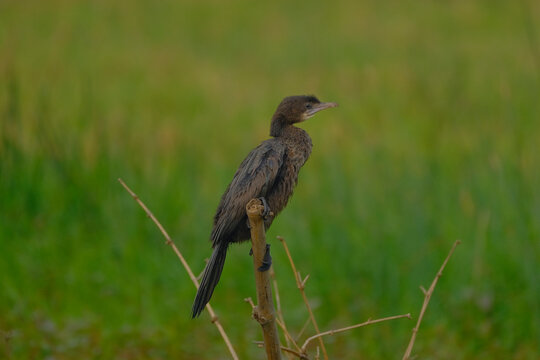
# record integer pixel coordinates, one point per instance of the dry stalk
(332, 332)
(264, 312)
(278, 309)
(168, 241)
(301, 284)
(427, 297)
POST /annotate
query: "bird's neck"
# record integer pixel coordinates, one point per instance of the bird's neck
(277, 125)
(281, 128)
(291, 131)
(296, 138)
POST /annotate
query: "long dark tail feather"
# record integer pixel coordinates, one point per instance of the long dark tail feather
(212, 273)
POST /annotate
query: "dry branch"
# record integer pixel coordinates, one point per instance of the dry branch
(264, 312)
(369, 322)
(168, 241)
(301, 284)
(281, 322)
(427, 297)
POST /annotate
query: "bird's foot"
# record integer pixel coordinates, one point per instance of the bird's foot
(267, 260)
(251, 252)
(267, 211)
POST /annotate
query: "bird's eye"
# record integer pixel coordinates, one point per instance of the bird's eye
(309, 106)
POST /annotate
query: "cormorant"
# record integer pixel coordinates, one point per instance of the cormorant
(269, 172)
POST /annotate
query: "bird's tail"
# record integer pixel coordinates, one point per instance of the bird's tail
(210, 278)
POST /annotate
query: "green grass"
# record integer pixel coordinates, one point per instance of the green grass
(436, 139)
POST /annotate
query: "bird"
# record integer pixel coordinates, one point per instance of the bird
(270, 173)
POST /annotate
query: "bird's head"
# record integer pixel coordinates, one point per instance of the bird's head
(295, 109)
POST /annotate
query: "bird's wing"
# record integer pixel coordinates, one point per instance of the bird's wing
(253, 179)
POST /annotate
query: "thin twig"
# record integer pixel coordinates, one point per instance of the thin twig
(369, 322)
(286, 349)
(293, 352)
(199, 277)
(278, 309)
(250, 302)
(308, 320)
(287, 334)
(168, 241)
(427, 297)
(301, 288)
(305, 280)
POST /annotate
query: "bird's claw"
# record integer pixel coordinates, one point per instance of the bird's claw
(267, 260)
(267, 211)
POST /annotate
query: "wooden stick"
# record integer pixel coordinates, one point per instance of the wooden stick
(264, 312)
(427, 297)
(168, 241)
(301, 283)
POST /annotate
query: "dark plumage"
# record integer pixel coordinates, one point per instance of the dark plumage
(269, 171)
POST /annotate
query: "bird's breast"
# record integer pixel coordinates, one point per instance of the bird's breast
(298, 147)
(295, 157)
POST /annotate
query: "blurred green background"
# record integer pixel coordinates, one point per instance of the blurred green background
(436, 139)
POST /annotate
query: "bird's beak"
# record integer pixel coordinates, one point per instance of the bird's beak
(318, 107)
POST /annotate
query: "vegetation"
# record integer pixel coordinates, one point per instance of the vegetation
(436, 139)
